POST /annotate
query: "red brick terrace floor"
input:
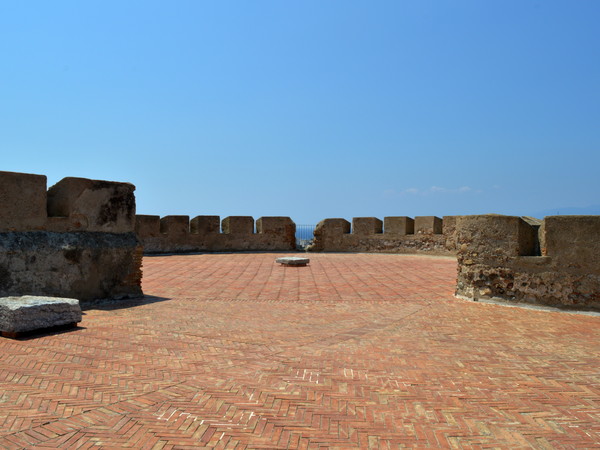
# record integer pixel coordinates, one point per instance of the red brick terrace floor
(353, 351)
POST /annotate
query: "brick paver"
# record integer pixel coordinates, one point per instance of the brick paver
(353, 351)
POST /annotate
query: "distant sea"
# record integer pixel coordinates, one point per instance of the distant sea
(593, 210)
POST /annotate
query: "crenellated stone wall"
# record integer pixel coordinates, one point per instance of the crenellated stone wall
(75, 240)
(554, 263)
(175, 234)
(81, 239)
(423, 234)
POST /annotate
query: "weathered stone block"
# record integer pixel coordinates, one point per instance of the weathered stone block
(277, 233)
(332, 227)
(106, 206)
(175, 225)
(574, 241)
(22, 201)
(400, 225)
(495, 236)
(238, 225)
(275, 225)
(331, 235)
(364, 226)
(428, 225)
(147, 226)
(205, 225)
(31, 313)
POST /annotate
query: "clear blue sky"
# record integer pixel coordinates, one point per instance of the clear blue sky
(310, 109)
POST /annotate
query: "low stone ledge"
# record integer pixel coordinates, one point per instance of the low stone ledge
(24, 315)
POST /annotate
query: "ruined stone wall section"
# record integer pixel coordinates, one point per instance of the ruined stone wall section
(72, 204)
(75, 239)
(176, 234)
(498, 258)
(399, 234)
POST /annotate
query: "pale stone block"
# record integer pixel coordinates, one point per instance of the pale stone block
(30, 313)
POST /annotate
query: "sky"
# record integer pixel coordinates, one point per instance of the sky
(309, 109)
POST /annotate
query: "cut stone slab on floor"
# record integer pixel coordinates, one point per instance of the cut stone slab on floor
(28, 314)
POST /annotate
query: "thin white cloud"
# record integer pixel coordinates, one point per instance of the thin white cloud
(429, 191)
(437, 189)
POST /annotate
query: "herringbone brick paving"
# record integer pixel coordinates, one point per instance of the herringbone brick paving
(353, 351)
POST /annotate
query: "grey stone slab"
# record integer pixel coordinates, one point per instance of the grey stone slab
(30, 313)
(293, 261)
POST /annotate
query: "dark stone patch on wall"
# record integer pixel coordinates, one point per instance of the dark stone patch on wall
(90, 265)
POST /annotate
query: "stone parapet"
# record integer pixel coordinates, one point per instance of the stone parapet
(177, 234)
(556, 263)
(397, 234)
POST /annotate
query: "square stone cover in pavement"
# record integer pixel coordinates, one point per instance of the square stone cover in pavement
(353, 351)
(292, 261)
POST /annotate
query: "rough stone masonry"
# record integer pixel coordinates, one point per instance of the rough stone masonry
(77, 240)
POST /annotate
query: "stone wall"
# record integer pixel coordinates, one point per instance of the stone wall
(425, 234)
(175, 234)
(554, 263)
(75, 240)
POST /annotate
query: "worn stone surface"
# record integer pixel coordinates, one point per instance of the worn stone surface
(147, 226)
(276, 226)
(205, 225)
(29, 313)
(330, 236)
(238, 225)
(399, 225)
(83, 265)
(175, 225)
(449, 231)
(293, 261)
(94, 205)
(497, 258)
(428, 225)
(22, 201)
(575, 240)
(366, 226)
(175, 234)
